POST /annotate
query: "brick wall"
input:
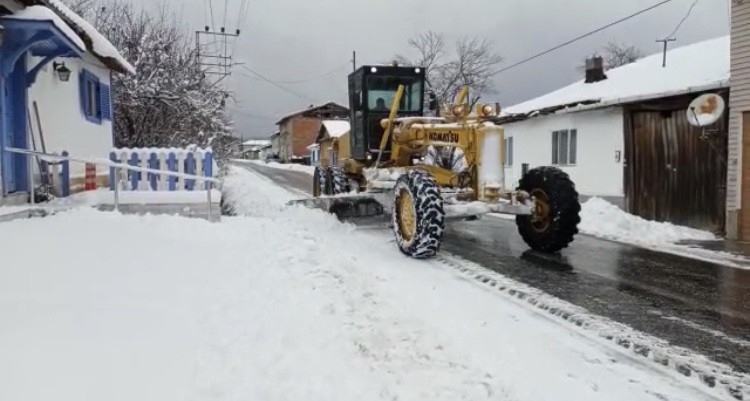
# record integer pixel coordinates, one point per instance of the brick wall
(302, 134)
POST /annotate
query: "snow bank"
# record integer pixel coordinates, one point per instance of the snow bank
(281, 303)
(603, 219)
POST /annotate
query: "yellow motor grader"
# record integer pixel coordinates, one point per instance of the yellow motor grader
(424, 170)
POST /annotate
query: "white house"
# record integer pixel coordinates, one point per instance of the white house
(56, 71)
(622, 134)
(255, 149)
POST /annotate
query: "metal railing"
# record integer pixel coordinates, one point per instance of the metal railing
(49, 157)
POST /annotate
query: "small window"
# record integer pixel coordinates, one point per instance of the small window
(95, 98)
(564, 147)
(509, 151)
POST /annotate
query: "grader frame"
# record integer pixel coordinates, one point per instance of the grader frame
(416, 187)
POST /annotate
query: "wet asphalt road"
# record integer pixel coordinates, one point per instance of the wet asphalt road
(690, 303)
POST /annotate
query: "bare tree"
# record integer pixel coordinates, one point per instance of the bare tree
(615, 55)
(618, 54)
(473, 62)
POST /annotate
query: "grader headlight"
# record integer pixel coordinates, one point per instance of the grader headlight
(458, 110)
(486, 110)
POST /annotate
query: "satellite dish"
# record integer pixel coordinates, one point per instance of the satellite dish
(705, 110)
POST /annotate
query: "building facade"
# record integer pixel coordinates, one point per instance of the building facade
(298, 130)
(56, 73)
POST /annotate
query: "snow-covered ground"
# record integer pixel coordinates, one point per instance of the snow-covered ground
(283, 166)
(281, 303)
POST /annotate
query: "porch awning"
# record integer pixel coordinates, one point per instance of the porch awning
(39, 30)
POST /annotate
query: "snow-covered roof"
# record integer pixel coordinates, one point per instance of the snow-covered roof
(313, 146)
(691, 68)
(100, 46)
(42, 13)
(309, 109)
(257, 142)
(336, 128)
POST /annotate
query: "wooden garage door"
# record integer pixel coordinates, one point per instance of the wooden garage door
(672, 174)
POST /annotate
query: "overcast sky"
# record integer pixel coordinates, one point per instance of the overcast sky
(297, 40)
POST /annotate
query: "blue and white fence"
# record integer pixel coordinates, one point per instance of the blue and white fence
(193, 161)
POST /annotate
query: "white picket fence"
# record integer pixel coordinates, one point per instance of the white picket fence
(193, 161)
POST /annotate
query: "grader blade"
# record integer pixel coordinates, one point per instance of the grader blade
(344, 207)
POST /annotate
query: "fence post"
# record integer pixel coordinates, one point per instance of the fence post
(117, 189)
(134, 174)
(172, 164)
(65, 179)
(30, 167)
(112, 171)
(154, 164)
(190, 169)
(208, 166)
(209, 204)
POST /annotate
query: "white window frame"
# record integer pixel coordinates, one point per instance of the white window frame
(508, 148)
(565, 147)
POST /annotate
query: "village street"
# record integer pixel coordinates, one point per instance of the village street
(699, 305)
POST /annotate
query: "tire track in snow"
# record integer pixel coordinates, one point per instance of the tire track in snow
(691, 367)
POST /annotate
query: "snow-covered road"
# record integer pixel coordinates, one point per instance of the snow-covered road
(277, 304)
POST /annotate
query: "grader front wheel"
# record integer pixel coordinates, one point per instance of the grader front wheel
(554, 220)
(418, 215)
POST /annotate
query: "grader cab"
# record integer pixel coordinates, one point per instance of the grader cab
(424, 170)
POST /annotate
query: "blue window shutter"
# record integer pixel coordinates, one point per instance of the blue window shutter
(106, 104)
(83, 91)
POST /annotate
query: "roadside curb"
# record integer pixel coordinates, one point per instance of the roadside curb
(715, 378)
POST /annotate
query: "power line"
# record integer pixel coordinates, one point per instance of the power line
(270, 81)
(211, 7)
(325, 75)
(226, 5)
(582, 36)
(683, 19)
(244, 4)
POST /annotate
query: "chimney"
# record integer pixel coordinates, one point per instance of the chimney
(595, 69)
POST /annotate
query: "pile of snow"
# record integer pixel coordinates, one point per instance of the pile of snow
(603, 219)
(282, 303)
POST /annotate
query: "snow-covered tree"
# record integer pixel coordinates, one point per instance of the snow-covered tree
(473, 62)
(169, 101)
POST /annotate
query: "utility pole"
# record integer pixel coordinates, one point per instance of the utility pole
(665, 41)
(354, 60)
(215, 62)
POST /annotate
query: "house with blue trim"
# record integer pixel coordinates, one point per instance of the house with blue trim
(55, 75)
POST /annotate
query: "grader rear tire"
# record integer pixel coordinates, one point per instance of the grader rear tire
(339, 180)
(418, 217)
(555, 220)
(321, 181)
